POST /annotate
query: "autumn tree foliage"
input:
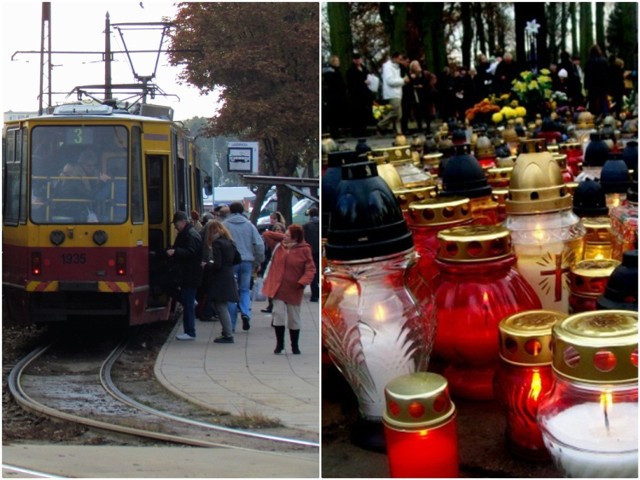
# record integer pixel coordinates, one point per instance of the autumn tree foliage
(265, 56)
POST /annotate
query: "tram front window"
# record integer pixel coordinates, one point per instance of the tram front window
(79, 174)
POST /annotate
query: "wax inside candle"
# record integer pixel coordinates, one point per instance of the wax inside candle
(583, 446)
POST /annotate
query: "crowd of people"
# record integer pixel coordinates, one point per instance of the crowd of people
(218, 258)
(415, 96)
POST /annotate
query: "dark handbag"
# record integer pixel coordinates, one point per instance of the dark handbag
(237, 258)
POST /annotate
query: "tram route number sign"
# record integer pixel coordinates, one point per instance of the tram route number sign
(242, 157)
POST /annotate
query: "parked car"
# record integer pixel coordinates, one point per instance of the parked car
(298, 211)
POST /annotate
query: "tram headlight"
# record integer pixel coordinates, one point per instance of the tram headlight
(100, 237)
(57, 237)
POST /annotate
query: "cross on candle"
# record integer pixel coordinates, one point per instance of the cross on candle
(558, 272)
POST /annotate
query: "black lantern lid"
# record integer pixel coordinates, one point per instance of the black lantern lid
(630, 155)
(366, 220)
(614, 176)
(597, 151)
(463, 176)
(622, 288)
(589, 199)
(330, 180)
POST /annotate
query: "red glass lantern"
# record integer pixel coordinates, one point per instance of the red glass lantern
(524, 377)
(587, 281)
(420, 427)
(477, 287)
(426, 218)
(573, 151)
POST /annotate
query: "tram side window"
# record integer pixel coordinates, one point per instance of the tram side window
(15, 177)
(137, 206)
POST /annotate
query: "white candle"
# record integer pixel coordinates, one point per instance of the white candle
(582, 446)
(546, 268)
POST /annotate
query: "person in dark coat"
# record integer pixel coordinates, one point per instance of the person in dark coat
(506, 72)
(219, 253)
(312, 236)
(186, 253)
(334, 98)
(596, 82)
(292, 268)
(361, 97)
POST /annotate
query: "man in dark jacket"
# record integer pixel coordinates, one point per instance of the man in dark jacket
(312, 237)
(186, 252)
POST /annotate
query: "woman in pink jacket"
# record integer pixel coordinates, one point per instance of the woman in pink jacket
(291, 269)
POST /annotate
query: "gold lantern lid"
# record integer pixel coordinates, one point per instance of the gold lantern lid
(399, 152)
(589, 277)
(597, 347)
(407, 196)
(474, 243)
(561, 158)
(499, 175)
(533, 145)
(525, 338)
(440, 211)
(585, 120)
(432, 158)
(417, 401)
(537, 186)
(390, 175)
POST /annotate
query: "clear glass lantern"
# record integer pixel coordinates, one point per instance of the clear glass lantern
(547, 235)
(589, 420)
(378, 318)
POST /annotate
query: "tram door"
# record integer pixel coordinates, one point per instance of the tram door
(159, 235)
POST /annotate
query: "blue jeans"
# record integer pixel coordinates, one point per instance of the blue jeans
(242, 272)
(188, 300)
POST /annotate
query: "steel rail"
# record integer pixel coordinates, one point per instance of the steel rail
(114, 391)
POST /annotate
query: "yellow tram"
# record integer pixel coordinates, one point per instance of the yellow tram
(89, 194)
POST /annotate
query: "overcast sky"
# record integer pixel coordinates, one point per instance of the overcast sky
(79, 26)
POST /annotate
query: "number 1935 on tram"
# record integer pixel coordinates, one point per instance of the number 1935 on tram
(89, 192)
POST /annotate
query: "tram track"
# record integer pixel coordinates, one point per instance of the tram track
(82, 391)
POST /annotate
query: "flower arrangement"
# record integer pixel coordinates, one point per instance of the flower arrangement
(533, 90)
(380, 110)
(481, 110)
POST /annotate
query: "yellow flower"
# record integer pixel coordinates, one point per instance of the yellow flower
(521, 112)
(544, 79)
(533, 85)
(545, 71)
(514, 103)
(525, 74)
(497, 117)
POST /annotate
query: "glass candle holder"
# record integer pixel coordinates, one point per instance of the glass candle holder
(587, 281)
(589, 420)
(477, 286)
(420, 427)
(426, 218)
(378, 320)
(547, 235)
(624, 226)
(573, 151)
(523, 377)
(598, 241)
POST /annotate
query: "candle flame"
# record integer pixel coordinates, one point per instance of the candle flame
(538, 233)
(379, 313)
(351, 289)
(423, 433)
(485, 298)
(536, 386)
